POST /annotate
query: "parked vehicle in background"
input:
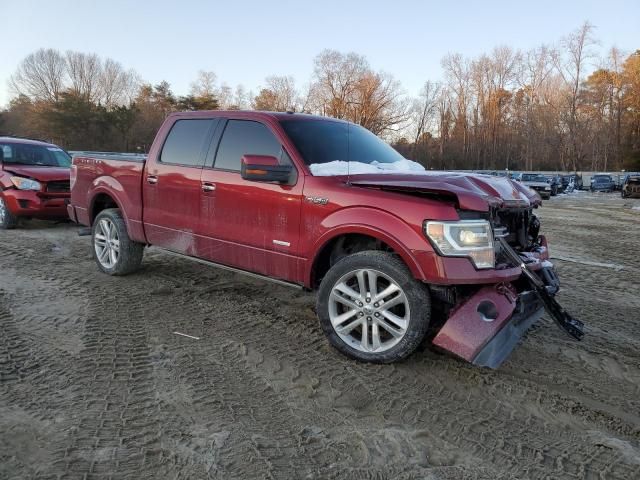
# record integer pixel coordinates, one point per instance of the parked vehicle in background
(574, 179)
(631, 186)
(34, 180)
(602, 183)
(555, 182)
(618, 180)
(325, 205)
(570, 186)
(538, 183)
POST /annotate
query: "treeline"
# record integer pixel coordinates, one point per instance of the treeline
(554, 107)
(533, 110)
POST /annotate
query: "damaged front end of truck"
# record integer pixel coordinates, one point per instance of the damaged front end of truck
(482, 307)
(485, 323)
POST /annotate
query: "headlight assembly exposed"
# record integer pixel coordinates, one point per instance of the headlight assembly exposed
(465, 238)
(25, 183)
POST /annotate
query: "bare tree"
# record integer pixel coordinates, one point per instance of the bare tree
(535, 69)
(279, 95)
(240, 98)
(344, 86)
(424, 110)
(225, 96)
(336, 76)
(41, 75)
(444, 123)
(577, 51)
(84, 71)
(117, 86)
(205, 84)
(457, 72)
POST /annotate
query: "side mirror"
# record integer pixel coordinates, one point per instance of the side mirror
(264, 168)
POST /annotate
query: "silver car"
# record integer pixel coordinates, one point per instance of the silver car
(537, 182)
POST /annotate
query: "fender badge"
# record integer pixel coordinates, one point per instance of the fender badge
(317, 200)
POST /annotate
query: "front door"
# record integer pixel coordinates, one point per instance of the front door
(250, 225)
(171, 186)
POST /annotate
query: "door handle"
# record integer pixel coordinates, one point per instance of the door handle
(208, 187)
(152, 179)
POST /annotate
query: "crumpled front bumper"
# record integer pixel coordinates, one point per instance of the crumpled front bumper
(486, 327)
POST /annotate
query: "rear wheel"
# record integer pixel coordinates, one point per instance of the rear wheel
(372, 309)
(114, 252)
(7, 219)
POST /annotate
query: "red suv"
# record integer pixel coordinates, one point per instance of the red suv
(34, 180)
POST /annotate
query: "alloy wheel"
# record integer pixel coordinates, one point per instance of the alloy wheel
(369, 310)
(106, 243)
(3, 210)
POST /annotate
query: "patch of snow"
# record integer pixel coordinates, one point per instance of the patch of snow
(637, 207)
(340, 167)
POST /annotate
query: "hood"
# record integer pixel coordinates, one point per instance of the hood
(535, 184)
(470, 191)
(42, 174)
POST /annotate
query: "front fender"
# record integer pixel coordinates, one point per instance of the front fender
(384, 226)
(5, 182)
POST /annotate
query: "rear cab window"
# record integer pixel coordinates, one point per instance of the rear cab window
(187, 141)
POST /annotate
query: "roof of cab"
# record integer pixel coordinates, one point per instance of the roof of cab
(254, 114)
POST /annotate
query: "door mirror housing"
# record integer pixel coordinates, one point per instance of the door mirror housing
(264, 168)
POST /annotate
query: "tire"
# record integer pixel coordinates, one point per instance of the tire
(8, 220)
(113, 250)
(410, 313)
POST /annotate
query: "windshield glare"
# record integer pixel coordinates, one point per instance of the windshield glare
(34, 155)
(324, 141)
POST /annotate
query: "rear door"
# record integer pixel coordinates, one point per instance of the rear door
(251, 225)
(171, 185)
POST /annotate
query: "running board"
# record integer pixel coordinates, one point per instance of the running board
(231, 269)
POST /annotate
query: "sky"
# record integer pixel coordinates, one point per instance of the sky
(243, 41)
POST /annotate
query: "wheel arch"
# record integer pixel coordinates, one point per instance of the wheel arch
(370, 237)
(101, 200)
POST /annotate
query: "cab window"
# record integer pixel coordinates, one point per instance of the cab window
(245, 137)
(186, 142)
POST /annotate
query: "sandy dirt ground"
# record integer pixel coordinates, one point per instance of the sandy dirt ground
(95, 384)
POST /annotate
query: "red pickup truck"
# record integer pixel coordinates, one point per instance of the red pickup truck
(398, 254)
(34, 180)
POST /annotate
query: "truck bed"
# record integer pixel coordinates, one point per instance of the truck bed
(109, 172)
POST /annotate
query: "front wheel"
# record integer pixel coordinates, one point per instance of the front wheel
(7, 219)
(113, 250)
(372, 309)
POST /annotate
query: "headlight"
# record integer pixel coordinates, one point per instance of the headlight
(547, 188)
(25, 183)
(466, 238)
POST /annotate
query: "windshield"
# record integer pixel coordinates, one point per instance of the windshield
(602, 179)
(533, 177)
(34, 155)
(324, 141)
